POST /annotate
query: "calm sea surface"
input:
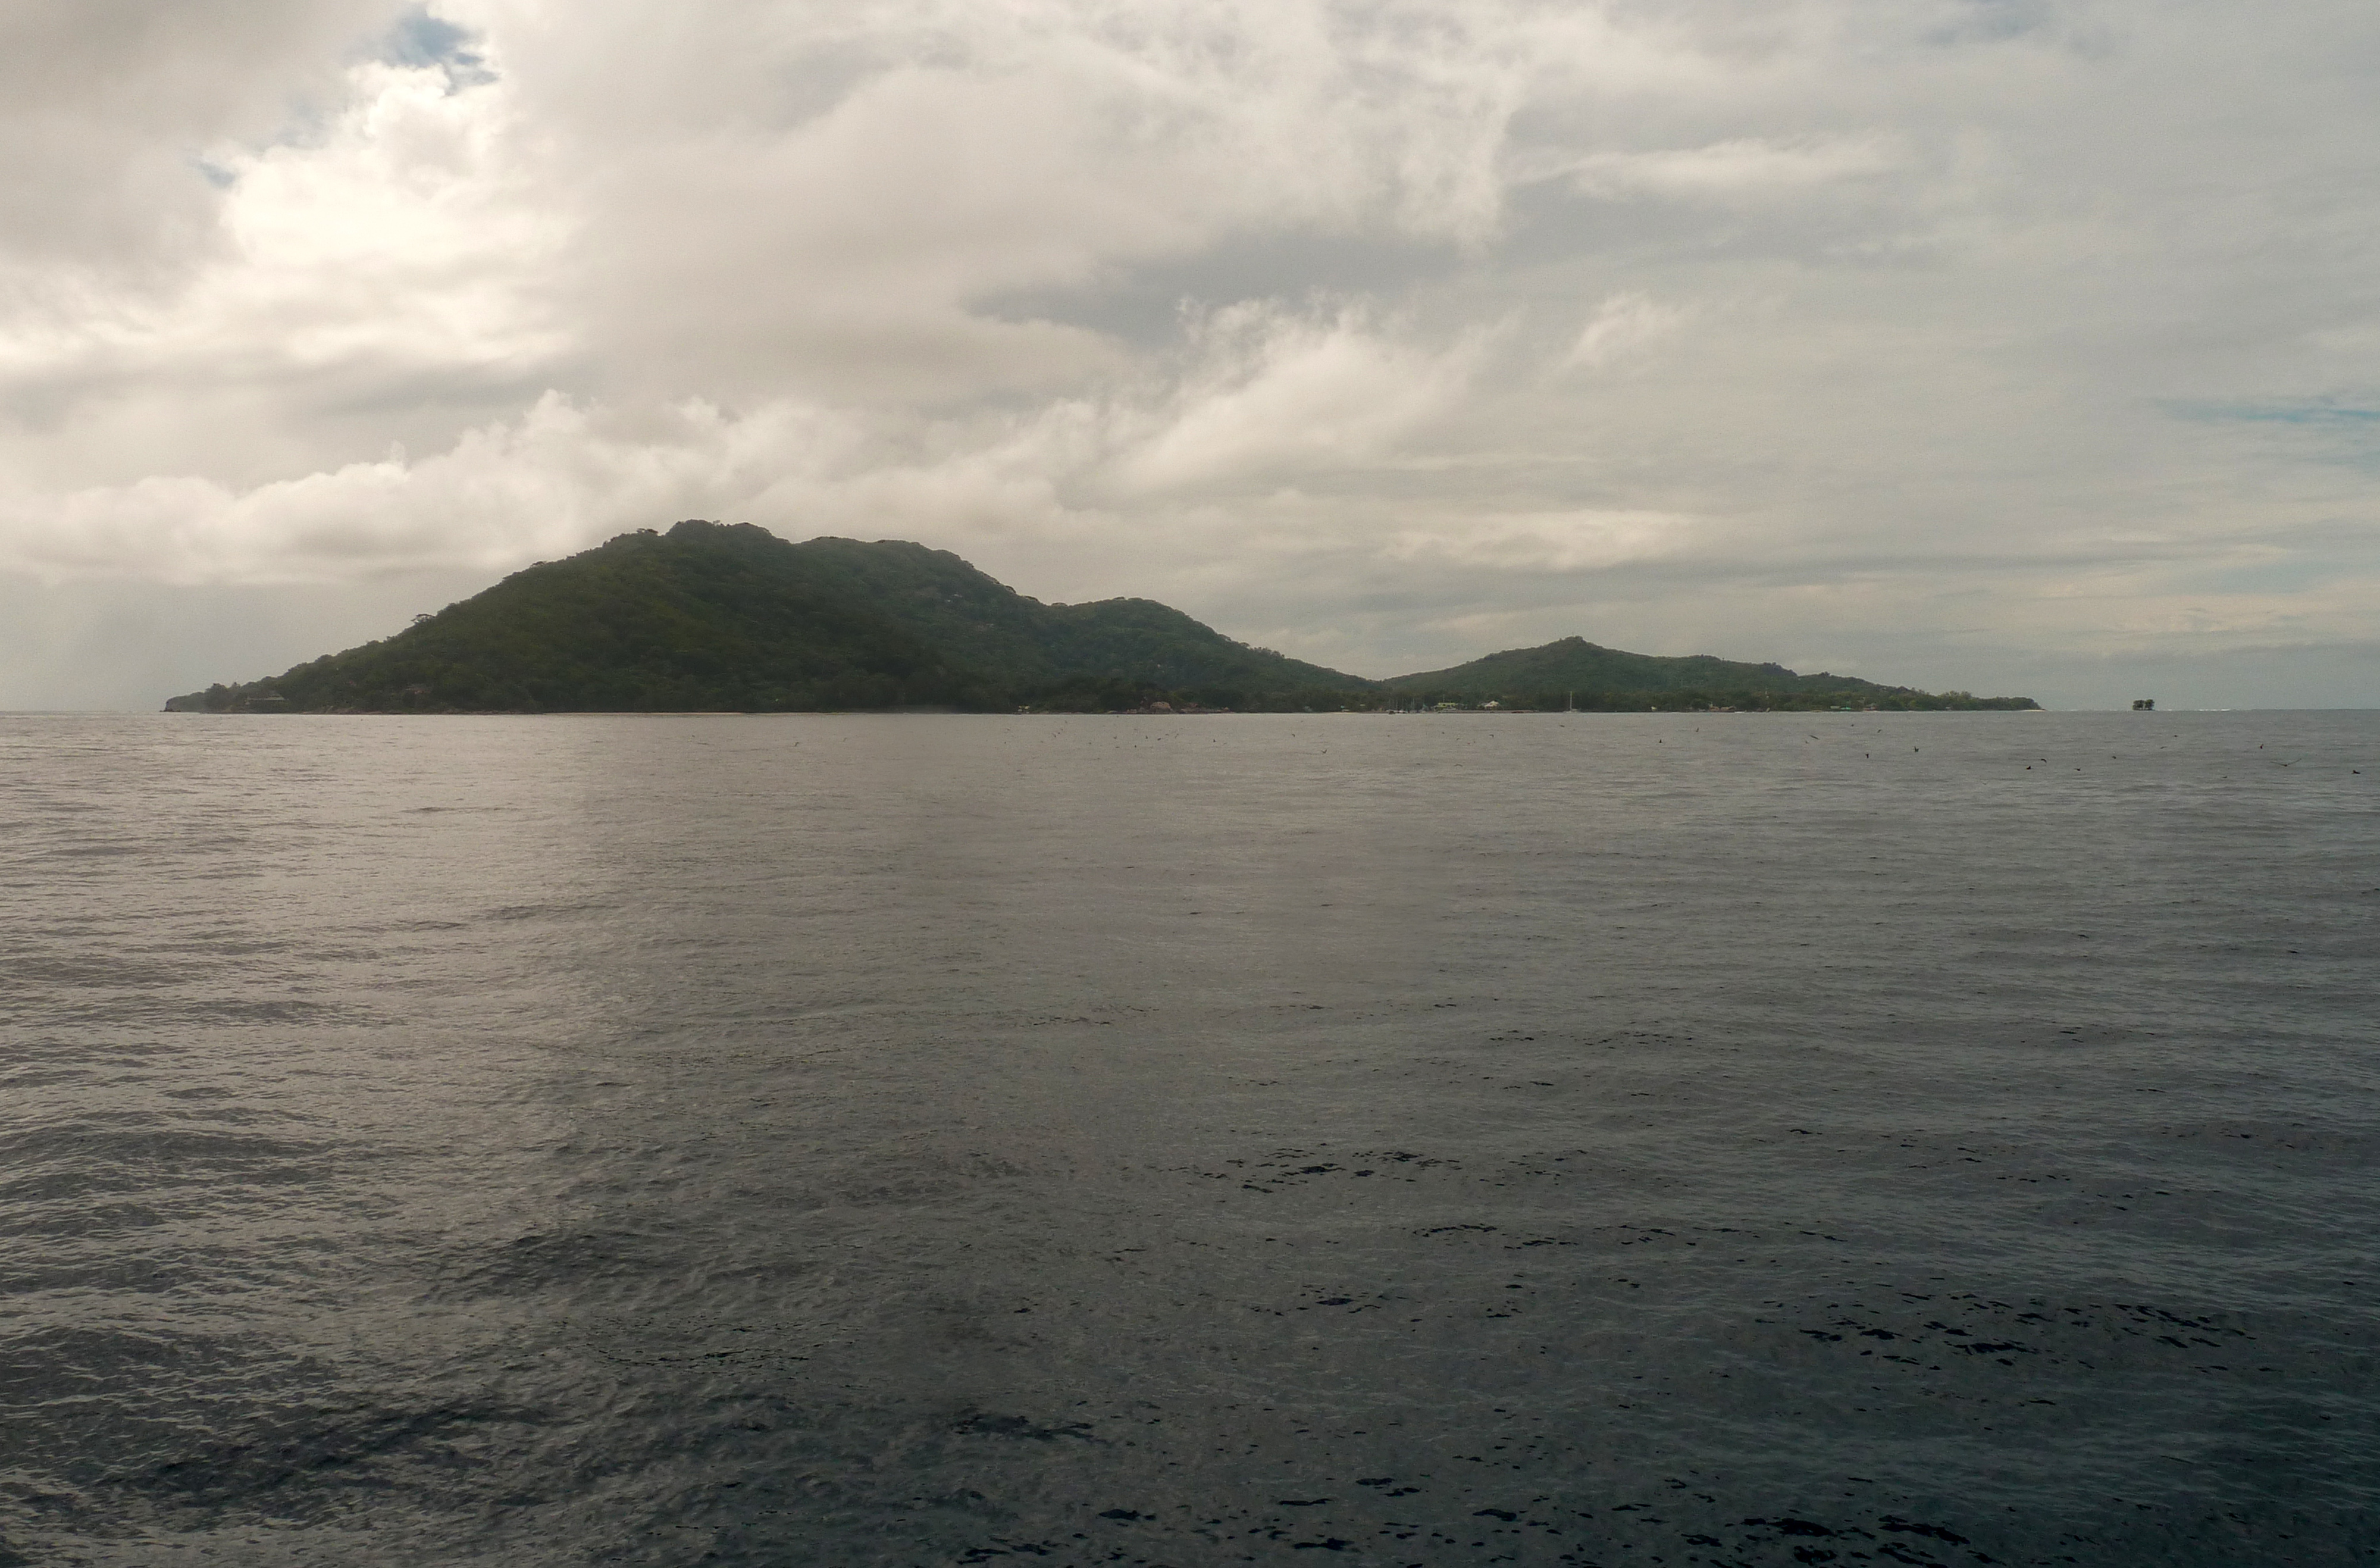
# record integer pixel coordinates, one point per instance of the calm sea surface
(1756, 1139)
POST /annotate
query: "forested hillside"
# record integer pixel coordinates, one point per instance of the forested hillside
(719, 617)
(710, 615)
(1576, 673)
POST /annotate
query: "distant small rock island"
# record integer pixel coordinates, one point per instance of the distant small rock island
(729, 618)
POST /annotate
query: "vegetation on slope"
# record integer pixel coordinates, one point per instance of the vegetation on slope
(700, 618)
(1574, 672)
(710, 616)
(1042, 648)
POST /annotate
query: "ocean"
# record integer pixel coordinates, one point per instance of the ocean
(1732, 1139)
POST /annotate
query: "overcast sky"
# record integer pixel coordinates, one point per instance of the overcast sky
(2021, 345)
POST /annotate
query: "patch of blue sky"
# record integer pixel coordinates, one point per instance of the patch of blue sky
(2310, 411)
(422, 41)
(2321, 430)
(2293, 574)
(1991, 21)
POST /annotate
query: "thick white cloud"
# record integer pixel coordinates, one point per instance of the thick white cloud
(1926, 340)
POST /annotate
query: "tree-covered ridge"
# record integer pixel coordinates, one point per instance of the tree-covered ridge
(943, 599)
(1575, 663)
(1574, 672)
(1140, 638)
(714, 616)
(732, 618)
(701, 617)
(1715, 699)
(939, 599)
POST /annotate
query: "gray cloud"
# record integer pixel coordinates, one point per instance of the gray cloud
(1915, 341)
(111, 109)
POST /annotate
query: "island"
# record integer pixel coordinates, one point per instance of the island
(729, 618)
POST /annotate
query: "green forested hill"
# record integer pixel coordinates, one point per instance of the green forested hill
(1574, 662)
(1112, 637)
(1575, 669)
(936, 597)
(941, 599)
(716, 616)
(700, 617)
(710, 616)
